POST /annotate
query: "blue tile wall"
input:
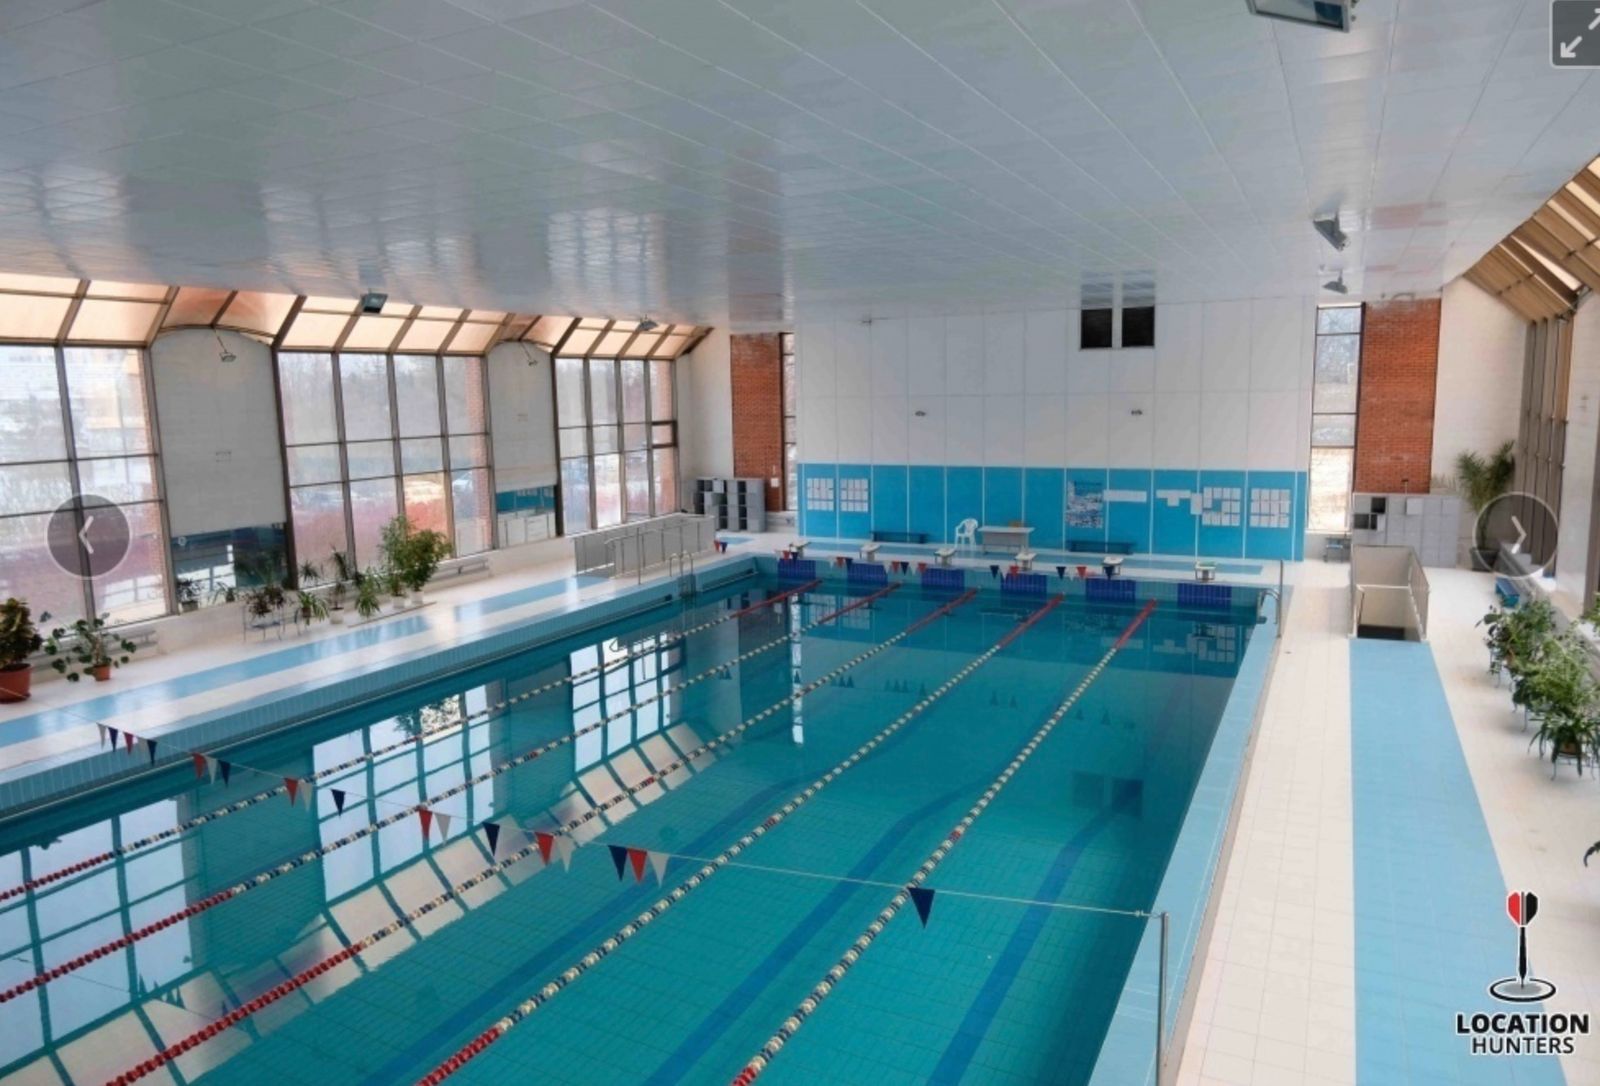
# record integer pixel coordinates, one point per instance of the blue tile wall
(963, 489)
(1044, 492)
(1002, 495)
(926, 503)
(932, 500)
(1174, 525)
(949, 580)
(889, 483)
(1129, 522)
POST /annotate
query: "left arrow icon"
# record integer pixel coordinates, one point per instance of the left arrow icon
(83, 534)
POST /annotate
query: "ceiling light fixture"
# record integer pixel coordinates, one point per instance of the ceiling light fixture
(1336, 285)
(1327, 14)
(373, 301)
(647, 325)
(1329, 229)
(224, 355)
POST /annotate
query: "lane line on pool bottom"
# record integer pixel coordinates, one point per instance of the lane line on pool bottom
(573, 972)
(424, 809)
(807, 1006)
(422, 736)
(536, 845)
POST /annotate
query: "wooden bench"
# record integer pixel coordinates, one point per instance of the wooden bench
(1025, 560)
(1095, 546)
(460, 567)
(869, 552)
(944, 555)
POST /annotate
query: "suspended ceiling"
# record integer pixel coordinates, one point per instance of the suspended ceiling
(732, 160)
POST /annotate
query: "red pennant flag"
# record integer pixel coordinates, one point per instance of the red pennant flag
(128, 741)
(546, 843)
(427, 821)
(293, 785)
(638, 857)
(199, 766)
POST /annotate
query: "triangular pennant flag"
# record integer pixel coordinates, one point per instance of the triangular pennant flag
(112, 734)
(293, 785)
(338, 799)
(211, 768)
(102, 728)
(1061, 572)
(564, 847)
(150, 745)
(227, 768)
(546, 841)
(127, 741)
(308, 793)
(637, 857)
(199, 766)
(444, 824)
(619, 857)
(658, 863)
(922, 898)
(427, 822)
(491, 830)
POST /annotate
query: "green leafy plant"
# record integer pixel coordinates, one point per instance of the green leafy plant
(1482, 479)
(1559, 687)
(188, 591)
(88, 645)
(310, 575)
(263, 601)
(344, 574)
(367, 603)
(311, 605)
(1517, 636)
(19, 637)
(413, 554)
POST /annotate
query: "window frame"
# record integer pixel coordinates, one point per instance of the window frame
(1353, 415)
(790, 423)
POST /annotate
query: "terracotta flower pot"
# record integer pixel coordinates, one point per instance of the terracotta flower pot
(15, 682)
(101, 672)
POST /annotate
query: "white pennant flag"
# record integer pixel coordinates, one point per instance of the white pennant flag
(443, 822)
(102, 728)
(564, 847)
(658, 864)
(306, 791)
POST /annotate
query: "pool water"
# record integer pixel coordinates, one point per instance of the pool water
(1013, 980)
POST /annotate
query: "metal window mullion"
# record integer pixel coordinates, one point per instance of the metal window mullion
(649, 435)
(337, 364)
(588, 418)
(158, 477)
(444, 452)
(394, 440)
(70, 441)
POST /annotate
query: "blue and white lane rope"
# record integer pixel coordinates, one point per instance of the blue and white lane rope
(807, 1006)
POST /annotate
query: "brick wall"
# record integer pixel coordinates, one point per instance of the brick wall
(1399, 371)
(758, 411)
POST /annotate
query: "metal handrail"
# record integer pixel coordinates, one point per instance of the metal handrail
(682, 555)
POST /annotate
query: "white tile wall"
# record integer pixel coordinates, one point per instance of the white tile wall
(1226, 386)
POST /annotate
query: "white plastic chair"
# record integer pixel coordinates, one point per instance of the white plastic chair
(967, 534)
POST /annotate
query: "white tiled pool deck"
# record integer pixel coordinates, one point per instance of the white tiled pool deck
(1277, 998)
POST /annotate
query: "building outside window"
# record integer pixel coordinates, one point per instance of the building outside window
(368, 436)
(1335, 383)
(616, 423)
(791, 430)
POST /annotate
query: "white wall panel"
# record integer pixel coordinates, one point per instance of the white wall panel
(1086, 430)
(1277, 352)
(1129, 418)
(888, 338)
(1180, 344)
(1224, 430)
(963, 355)
(925, 349)
(889, 430)
(1045, 345)
(1004, 361)
(855, 429)
(925, 436)
(1482, 350)
(1132, 370)
(1175, 440)
(1003, 438)
(1273, 423)
(819, 432)
(964, 429)
(1225, 361)
(814, 342)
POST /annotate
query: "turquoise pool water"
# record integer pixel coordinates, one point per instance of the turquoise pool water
(1005, 984)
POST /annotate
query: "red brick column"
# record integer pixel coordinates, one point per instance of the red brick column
(758, 410)
(1394, 423)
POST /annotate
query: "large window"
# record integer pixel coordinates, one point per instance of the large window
(791, 430)
(617, 430)
(1333, 416)
(77, 420)
(367, 436)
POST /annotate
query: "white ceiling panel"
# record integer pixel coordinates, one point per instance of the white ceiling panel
(737, 160)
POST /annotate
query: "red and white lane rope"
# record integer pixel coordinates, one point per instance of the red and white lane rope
(539, 842)
(569, 976)
(422, 736)
(863, 942)
(425, 810)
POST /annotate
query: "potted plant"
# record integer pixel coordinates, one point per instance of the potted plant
(395, 584)
(343, 574)
(1559, 688)
(1482, 479)
(367, 604)
(413, 554)
(311, 606)
(19, 639)
(263, 602)
(90, 646)
(225, 593)
(188, 594)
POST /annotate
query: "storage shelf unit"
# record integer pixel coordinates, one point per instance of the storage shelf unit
(739, 505)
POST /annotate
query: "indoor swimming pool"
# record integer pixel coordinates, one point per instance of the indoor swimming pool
(650, 852)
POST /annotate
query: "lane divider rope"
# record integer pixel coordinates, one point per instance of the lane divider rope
(405, 921)
(523, 1010)
(261, 878)
(422, 736)
(808, 1006)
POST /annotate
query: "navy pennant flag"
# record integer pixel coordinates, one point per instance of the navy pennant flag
(491, 830)
(113, 733)
(994, 571)
(338, 799)
(227, 768)
(922, 898)
(150, 745)
(619, 857)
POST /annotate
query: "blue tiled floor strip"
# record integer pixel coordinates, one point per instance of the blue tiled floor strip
(198, 682)
(1430, 926)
